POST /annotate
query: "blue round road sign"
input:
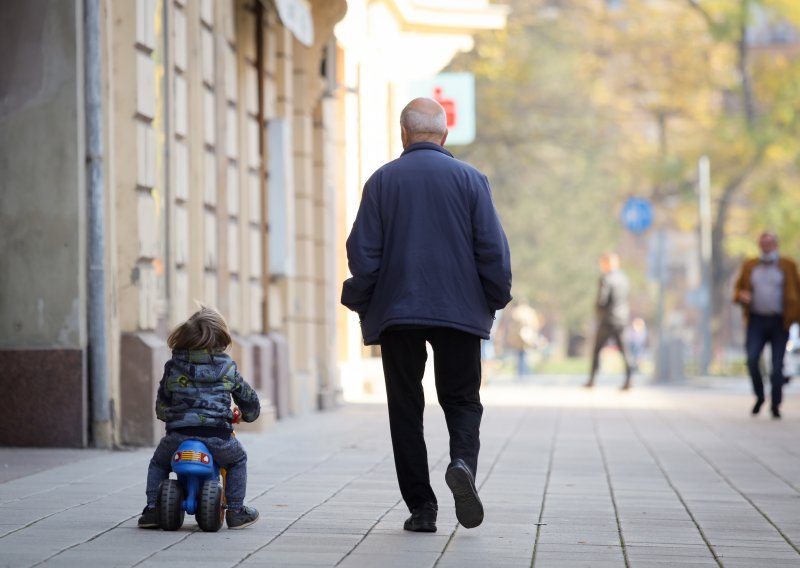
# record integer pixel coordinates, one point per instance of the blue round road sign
(637, 214)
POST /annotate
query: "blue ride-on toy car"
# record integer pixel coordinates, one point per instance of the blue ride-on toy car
(197, 490)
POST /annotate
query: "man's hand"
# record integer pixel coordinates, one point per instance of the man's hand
(744, 297)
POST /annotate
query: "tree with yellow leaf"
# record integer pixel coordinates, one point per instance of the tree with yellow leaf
(583, 103)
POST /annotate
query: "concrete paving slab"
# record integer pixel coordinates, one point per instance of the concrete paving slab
(654, 477)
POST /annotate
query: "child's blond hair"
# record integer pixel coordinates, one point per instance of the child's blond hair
(206, 329)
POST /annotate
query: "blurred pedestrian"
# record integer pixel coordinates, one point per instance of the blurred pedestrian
(636, 339)
(430, 263)
(768, 289)
(613, 312)
(521, 333)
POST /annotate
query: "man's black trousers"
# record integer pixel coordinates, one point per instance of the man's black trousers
(457, 366)
(760, 331)
(606, 332)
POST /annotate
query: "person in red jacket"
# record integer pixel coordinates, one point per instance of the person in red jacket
(430, 264)
(768, 289)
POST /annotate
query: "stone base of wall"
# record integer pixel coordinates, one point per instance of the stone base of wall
(142, 357)
(253, 356)
(304, 393)
(282, 385)
(46, 398)
(329, 398)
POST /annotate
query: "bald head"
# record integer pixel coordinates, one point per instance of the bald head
(423, 120)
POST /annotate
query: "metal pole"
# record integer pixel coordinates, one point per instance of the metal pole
(169, 137)
(662, 358)
(704, 195)
(98, 371)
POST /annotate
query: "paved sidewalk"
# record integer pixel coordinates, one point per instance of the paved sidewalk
(569, 477)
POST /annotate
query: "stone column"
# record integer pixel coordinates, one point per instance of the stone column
(138, 190)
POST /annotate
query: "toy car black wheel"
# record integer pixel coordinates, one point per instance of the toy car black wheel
(170, 505)
(211, 510)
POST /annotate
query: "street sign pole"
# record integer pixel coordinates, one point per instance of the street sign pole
(704, 196)
(662, 361)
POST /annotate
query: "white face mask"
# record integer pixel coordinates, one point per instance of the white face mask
(769, 256)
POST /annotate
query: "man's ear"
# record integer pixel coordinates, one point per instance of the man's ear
(403, 136)
(446, 132)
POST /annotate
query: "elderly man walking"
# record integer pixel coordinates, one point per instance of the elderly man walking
(430, 264)
(768, 289)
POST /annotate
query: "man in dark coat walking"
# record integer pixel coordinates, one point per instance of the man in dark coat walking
(430, 263)
(613, 312)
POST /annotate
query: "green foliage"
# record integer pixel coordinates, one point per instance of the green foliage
(543, 144)
(580, 106)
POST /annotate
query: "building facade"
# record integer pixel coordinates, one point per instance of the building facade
(219, 167)
(157, 154)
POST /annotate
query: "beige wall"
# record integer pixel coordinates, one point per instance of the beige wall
(190, 175)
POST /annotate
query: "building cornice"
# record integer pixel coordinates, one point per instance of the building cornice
(447, 16)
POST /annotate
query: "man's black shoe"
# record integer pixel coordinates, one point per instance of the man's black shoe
(776, 414)
(757, 407)
(469, 509)
(149, 519)
(422, 519)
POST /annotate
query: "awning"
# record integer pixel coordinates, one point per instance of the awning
(296, 17)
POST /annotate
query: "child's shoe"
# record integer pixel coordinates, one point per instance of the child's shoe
(242, 518)
(149, 518)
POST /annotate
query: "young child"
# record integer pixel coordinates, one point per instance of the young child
(194, 399)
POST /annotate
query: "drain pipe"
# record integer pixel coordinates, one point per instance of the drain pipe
(98, 368)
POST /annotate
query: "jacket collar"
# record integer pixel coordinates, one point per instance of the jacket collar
(426, 146)
(200, 356)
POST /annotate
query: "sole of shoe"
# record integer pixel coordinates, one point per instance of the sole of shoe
(420, 528)
(148, 525)
(244, 525)
(469, 509)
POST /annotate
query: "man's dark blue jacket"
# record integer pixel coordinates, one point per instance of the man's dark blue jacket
(427, 248)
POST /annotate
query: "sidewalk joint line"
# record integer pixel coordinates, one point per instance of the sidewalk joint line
(747, 452)
(672, 486)
(604, 458)
(389, 510)
(180, 540)
(356, 545)
(60, 486)
(305, 513)
(77, 544)
(719, 472)
(485, 478)
(550, 461)
(40, 519)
